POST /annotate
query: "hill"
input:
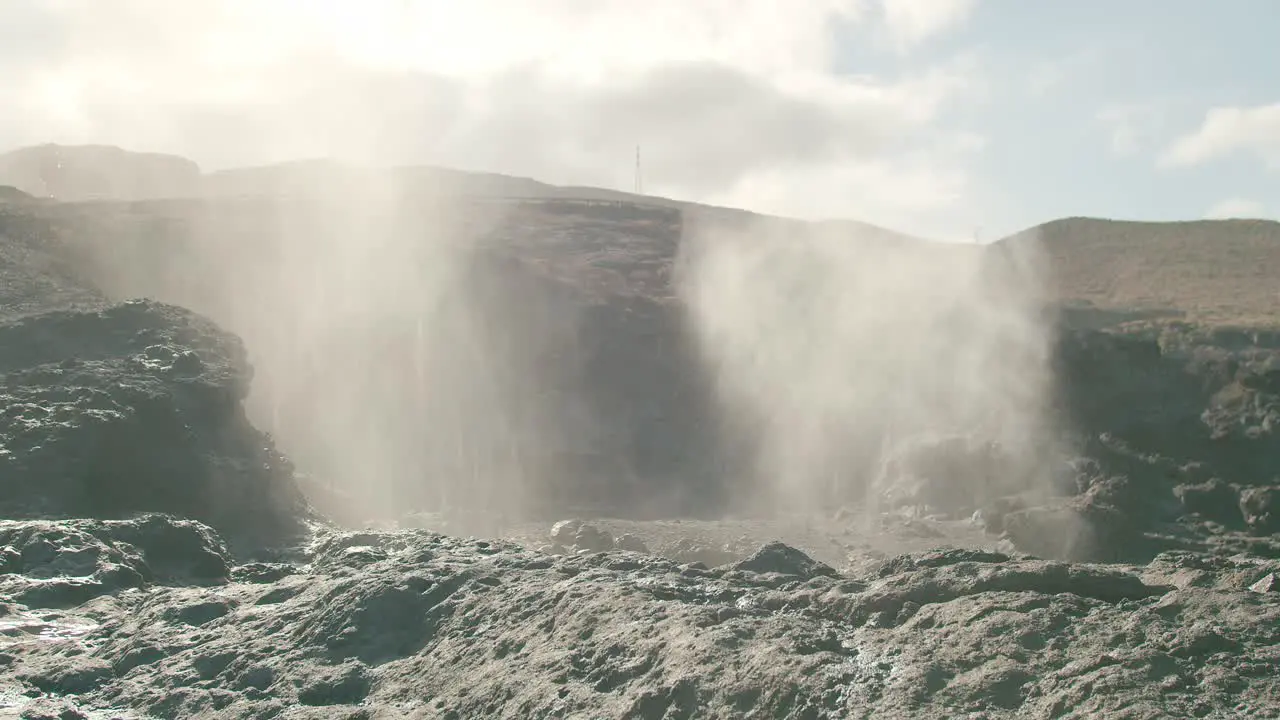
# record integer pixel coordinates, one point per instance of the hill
(1210, 272)
(8, 193)
(91, 172)
(100, 172)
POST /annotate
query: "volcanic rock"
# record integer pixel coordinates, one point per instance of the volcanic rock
(136, 407)
(1261, 509)
(463, 628)
(581, 536)
(1213, 499)
(1267, 584)
(776, 557)
(630, 543)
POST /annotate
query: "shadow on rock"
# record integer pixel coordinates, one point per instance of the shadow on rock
(137, 408)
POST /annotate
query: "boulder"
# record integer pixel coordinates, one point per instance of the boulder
(1076, 530)
(1261, 509)
(630, 543)
(1268, 584)
(581, 536)
(950, 475)
(776, 557)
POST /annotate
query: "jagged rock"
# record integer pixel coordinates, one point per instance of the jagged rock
(950, 475)
(1075, 530)
(263, 572)
(1213, 499)
(489, 626)
(10, 560)
(775, 557)
(565, 532)
(690, 550)
(581, 536)
(1268, 584)
(938, 558)
(1261, 509)
(630, 543)
(991, 516)
(63, 564)
(346, 684)
(47, 709)
(134, 408)
(590, 537)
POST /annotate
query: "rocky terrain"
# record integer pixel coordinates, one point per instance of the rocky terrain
(160, 557)
(415, 624)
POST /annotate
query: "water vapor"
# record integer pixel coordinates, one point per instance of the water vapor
(844, 362)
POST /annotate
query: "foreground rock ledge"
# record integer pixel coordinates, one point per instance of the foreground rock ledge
(416, 625)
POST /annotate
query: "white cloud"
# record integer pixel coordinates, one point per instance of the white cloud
(1228, 131)
(1120, 125)
(1046, 76)
(1236, 208)
(1131, 127)
(735, 100)
(910, 22)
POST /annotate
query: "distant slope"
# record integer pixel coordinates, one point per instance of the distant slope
(1213, 271)
(311, 175)
(101, 172)
(97, 172)
(9, 193)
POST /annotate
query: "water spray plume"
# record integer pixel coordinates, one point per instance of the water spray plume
(837, 354)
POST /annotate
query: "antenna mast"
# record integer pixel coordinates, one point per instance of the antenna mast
(639, 187)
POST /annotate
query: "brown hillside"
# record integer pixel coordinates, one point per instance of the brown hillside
(1220, 272)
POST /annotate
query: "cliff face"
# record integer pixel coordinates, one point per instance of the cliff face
(97, 172)
(535, 359)
(109, 409)
(523, 356)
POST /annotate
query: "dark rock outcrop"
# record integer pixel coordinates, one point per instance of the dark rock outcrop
(132, 408)
(1261, 509)
(63, 564)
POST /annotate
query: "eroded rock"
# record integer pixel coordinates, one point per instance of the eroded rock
(133, 408)
(67, 563)
(1261, 509)
(1213, 499)
(488, 626)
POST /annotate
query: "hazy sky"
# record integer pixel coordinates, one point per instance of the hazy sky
(944, 117)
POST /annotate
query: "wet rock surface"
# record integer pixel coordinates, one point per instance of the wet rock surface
(416, 624)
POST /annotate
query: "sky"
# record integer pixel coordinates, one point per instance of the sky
(952, 119)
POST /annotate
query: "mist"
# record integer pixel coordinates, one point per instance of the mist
(852, 370)
(417, 349)
(402, 362)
